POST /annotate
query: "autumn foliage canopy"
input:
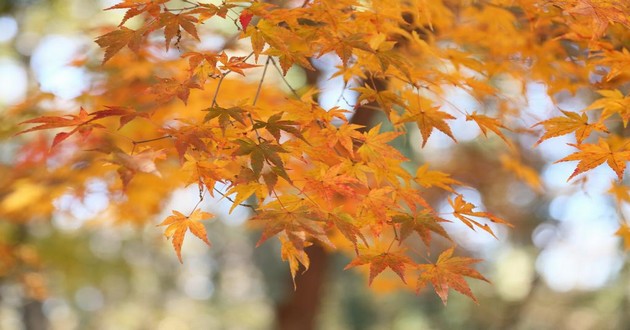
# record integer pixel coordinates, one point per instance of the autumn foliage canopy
(169, 108)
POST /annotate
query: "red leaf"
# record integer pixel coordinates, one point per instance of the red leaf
(245, 18)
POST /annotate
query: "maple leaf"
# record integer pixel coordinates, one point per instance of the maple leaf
(243, 192)
(208, 10)
(343, 222)
(205, 172)
(235, 63)
(620, 192)
(375, 147)
(295, 255)
(168, 88)
(429, 119)
(572, 122)
(126, 114)
(173, 22)
(287, 56)
(329, 182)
(428, 179)
(602, 14)
(522, 171)
(613, 101)
(345, 46)
(178, 224)
(344, 136)
(225, 116)
(385, 99)
(189, 137)
(423, 223)
(144, 162)
(202, 65)
(412, 197)
(245, 17)
(114, 41)
(299, 223)
(137, 7)
(82, 121)
(397, 262)
(257, 40)
(448, 272)
(263, 152)
(592, 155)
(377, 202)
(486, 123)
(274, 125)
(463, 210)
(624, 233)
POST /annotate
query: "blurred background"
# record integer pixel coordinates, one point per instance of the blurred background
(559, 268)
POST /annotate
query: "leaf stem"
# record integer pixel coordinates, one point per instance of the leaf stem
(231, 200)
(198, 202)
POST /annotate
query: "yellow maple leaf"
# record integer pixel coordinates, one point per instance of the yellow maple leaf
(178, 224)
(486, 123)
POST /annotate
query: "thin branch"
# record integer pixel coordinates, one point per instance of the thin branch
(137, 142)
(261, 81)
(151, 140)
(284, 79)
(216, 92)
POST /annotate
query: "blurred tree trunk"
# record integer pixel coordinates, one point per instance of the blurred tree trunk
(33, 315)
(301, 306)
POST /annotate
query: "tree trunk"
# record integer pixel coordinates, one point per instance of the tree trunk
(300, 308)
(33, 316)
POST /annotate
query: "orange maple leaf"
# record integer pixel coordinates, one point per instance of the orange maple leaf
(343, 222)
(620, 192)
(378, 262)
(82, 121)
(613, 101)
(130, 164)
(428, 179)
(178, 224)
(463, 210)
(137, 7)
(448, 272)
(375, 147)
(522, 171)
(114, 41)
(572, 122)
(429, 119)
(172, 24)
(486, 123)
(593, 155)
(295, 254)
(423, 223)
